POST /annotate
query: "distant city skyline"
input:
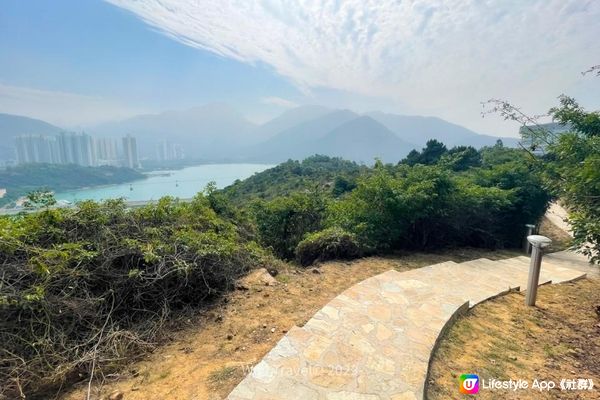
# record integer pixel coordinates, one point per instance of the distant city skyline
(79, 63)
(76, 148)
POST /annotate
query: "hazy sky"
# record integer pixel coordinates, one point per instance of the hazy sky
(78, 62)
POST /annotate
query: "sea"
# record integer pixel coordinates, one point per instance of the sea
(182, 183)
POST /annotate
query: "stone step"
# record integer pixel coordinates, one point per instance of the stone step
(519, 272)
(555, 269)
(374, 341)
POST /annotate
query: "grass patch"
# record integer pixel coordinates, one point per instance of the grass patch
(503, 339)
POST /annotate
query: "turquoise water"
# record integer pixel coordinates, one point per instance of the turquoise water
(183, 183)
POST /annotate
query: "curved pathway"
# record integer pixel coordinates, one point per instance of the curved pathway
(375, 340)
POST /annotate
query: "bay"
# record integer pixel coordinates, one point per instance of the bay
(183, 183)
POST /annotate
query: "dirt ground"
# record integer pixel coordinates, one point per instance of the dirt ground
(210, 356)
(503, 339)
(206, 360)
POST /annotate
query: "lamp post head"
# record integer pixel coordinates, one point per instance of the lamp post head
(539, 241)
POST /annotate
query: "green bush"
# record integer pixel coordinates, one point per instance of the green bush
(387, 210)
(99, 281)
(283, 222)
(328, 244)
(422, 207)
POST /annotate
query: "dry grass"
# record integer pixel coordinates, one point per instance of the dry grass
(504, 339)
(206, 360)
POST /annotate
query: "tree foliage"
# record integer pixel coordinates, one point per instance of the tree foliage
(572, 170)
(314, 173)
(570, 162)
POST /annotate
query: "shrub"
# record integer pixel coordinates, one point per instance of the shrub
(97, 283)
(422, 207)
(328, 244)
(284, 221)
(388, 211)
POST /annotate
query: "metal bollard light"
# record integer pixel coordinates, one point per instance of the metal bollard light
(530, 231)
(538, 244)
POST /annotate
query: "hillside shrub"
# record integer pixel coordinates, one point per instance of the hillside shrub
(421, 207)
(387, 210)
(93, 285)
(317, 172)
(328, 244)
(283, 222)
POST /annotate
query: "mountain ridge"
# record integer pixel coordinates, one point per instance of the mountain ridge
(15, 125)
(218, 132)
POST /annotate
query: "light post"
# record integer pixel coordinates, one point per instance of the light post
(538, 244)
(526, 244)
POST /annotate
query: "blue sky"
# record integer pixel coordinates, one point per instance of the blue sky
(80, 62)
(92, 48)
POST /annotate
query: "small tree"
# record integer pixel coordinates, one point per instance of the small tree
(39, 199)
(571, 164)
(429, 155)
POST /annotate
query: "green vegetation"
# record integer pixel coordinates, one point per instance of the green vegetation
(93, 285)
(84, 289)
(26, 178)
(283, 222)
(323, 173)
(569, 164)
(328, 244)
(573, 170)
(485, 202)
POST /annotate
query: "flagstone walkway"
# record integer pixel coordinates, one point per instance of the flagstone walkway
(375, 340)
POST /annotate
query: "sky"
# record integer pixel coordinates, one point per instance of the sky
(77, 63)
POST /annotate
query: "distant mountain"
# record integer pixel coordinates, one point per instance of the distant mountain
(419, 130)
(15, 125)
(289, 119)
(298, 141)
(212, 131)
(363, 139)
(340, 133)
(217, 132)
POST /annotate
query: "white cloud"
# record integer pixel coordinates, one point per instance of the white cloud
(437, 56)
(61, 108)
(278, 101)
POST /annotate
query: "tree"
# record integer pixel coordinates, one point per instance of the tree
(570, 165)
(573, 171)
(429, 155)
(461, 158)
(433, 151)
(412, 158)
(39, 199)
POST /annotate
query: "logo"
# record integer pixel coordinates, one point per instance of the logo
(469, 384)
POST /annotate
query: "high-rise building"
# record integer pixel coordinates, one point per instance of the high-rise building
(66, 148)
(37, 149)
(166, 151)
(106, 151)
(76, 148)
(130, 154)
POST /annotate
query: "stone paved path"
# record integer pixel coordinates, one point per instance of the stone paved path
(374, 341)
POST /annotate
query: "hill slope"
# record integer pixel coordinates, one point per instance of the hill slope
(340, 133)
(363, 139)
(419, 130)
(15, 125)
(288, 120)
(298, 142)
